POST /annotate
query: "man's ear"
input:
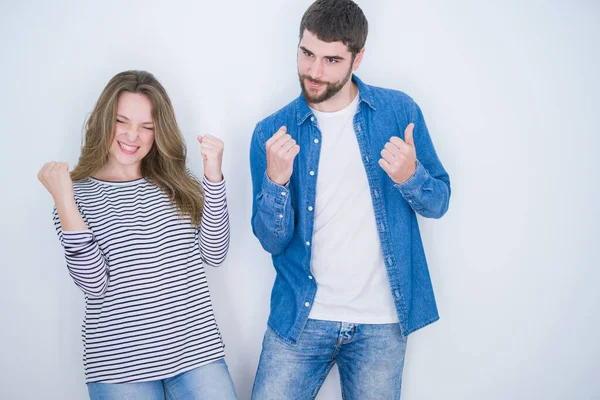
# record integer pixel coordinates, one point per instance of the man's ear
(358, 59)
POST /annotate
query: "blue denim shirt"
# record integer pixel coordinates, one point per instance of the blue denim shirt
(283, 222)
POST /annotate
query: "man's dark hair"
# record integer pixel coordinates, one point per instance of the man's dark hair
(337, 21)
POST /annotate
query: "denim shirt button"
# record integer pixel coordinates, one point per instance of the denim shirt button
(280, 216)
(312, 173)
(310, 277)
(312, 118)
(306, 304)
(310, 208)
(316, 140)
(308, 243)
(283, 193)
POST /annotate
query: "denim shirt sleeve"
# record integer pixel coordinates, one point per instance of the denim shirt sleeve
(272, 212)
(428, 190)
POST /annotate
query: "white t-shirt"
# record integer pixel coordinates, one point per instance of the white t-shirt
(347, 261)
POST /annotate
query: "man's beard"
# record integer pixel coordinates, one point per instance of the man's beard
(331, 89)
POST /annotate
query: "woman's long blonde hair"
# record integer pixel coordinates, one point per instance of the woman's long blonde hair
(164, 165)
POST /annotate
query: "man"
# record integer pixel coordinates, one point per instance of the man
(338, 175)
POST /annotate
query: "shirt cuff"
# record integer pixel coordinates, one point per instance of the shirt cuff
(213, 189)
(275, 191)
(414, 182)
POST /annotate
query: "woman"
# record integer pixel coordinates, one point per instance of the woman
(136, 229)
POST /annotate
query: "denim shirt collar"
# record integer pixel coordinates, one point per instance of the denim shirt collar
(303, 111)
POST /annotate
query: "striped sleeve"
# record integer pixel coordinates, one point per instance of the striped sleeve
(85, 261)
(214, 225)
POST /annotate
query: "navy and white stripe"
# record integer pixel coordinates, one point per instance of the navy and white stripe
(148, 310)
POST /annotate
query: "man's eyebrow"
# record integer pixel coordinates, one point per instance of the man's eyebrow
(338, 58)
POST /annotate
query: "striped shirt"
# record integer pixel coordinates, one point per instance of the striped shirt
(148, 311)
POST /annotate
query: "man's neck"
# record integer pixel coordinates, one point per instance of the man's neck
(340, 101)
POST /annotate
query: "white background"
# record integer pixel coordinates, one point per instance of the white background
(510, 92)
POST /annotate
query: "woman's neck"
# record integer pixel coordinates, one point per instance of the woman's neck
(112, 172)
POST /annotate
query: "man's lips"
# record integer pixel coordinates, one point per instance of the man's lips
(314, 85)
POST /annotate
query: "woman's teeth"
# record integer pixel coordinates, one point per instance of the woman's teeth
(128, 148)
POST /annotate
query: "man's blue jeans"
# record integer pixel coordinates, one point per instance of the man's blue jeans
(370, 360)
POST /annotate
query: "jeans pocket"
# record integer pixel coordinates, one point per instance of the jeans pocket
(272, 335)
